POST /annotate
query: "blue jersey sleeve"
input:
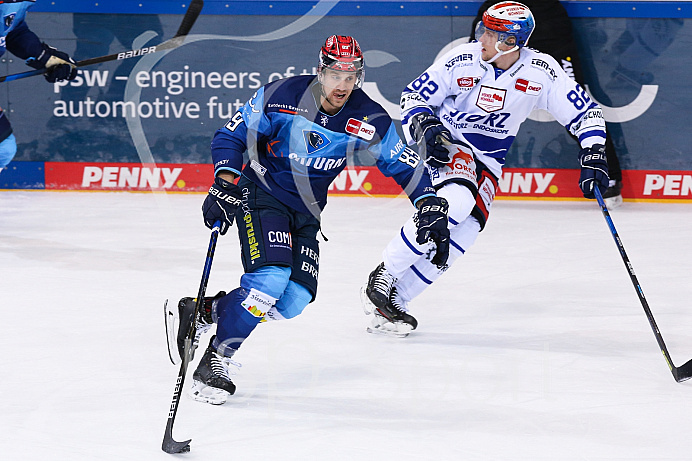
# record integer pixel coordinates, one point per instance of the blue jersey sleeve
(404, 165)
(232, 140)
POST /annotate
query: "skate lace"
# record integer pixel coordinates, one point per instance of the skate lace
(397, 302)
(224, 366)
(383, 280)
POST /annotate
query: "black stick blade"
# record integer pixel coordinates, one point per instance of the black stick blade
(190, 17)
(683, 373)
(171, 446)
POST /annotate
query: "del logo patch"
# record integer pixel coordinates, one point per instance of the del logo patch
(314, 141)
(360, 129)
(491, 99)
(528, 87)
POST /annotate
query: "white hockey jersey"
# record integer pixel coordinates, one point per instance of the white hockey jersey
(486, 111)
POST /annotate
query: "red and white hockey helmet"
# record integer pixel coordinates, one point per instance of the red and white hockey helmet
(513, 22)
(342, 53)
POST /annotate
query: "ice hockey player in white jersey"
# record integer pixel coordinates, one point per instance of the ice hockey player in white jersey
(464, 111)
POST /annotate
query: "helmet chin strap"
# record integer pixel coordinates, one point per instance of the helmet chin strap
(500, 52)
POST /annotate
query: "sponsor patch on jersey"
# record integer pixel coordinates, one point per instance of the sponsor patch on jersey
(360, 129)
(528, 87)
(545, 67)
(458, 59)
(491, 99)
(466, 83)
(314, 141)
(259, 169)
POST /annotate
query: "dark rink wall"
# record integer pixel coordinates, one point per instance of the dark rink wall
(166, 106)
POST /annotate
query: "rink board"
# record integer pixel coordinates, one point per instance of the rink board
(529, 183)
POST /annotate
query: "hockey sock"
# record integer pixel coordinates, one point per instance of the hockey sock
(291, 304)
(8, 148)
(402, 251)
(423, 273)
(238, 314)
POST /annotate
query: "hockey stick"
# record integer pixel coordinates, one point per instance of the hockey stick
(169, 445)
(681, 373)
(189, 19)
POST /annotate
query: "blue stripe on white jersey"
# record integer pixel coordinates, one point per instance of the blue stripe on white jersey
(486, 110)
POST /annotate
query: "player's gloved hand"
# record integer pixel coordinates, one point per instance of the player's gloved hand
(221, 204)
(432, 225)
(60, 66)
(426, 129)
(594, 170)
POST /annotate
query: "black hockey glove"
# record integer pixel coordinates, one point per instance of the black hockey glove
(221, 204)
(594, 170)
(432, 225)
(426, 129)
(60, 66)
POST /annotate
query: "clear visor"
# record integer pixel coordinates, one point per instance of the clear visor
(335, 75)
(501, 37)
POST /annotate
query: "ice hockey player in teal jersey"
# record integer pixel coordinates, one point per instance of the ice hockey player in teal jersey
(284, 148)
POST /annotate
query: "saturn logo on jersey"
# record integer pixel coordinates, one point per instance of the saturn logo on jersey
(360, 129)
(314, 141)
(528, 87)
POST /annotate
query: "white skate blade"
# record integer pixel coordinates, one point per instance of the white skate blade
(382, 326)
(613, 202)
(207, 394)
(171, 320)
(365, 302)
(391, 333)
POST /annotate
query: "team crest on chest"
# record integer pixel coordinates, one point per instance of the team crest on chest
(360, 129)
(491, 99)
(314, 141)
(9, 20)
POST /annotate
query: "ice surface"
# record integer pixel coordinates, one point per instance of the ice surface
(534, 346)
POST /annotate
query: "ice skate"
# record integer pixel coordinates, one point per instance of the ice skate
(393, 319)
(186, 308)
(379, 286)
(211, 381)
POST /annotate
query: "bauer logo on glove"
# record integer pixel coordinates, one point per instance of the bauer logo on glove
(221, 195)
(221, 204)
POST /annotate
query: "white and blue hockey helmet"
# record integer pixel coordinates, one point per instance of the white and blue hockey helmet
(513, 22)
